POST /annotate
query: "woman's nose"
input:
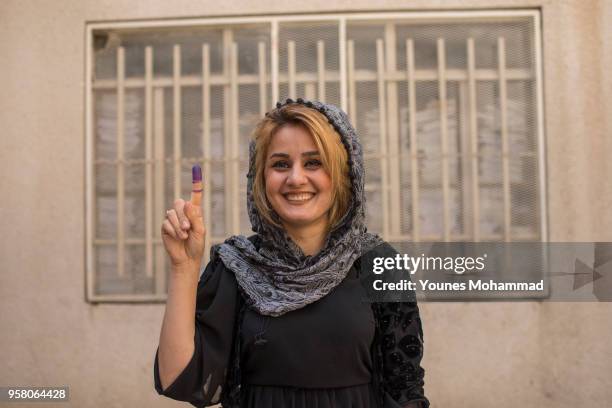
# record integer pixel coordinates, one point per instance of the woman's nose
(297, 176)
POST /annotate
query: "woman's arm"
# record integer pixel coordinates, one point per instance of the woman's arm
(197, 352)
(183, 235)
(399, 340)
(176, 340)
(402, 344)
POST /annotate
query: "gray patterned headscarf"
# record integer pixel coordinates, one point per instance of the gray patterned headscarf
(276, 276)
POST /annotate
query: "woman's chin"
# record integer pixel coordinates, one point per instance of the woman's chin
(302, 221)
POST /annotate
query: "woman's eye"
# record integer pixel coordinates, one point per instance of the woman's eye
(281, 164)
(313, 163)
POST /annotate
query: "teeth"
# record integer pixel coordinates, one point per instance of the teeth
(299, 197)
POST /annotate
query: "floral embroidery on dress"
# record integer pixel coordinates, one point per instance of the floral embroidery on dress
(401, 336)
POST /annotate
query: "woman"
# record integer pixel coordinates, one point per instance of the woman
(280, 319)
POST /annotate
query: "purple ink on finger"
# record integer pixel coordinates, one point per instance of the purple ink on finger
(196, 173)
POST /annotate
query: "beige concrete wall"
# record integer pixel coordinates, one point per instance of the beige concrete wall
(478, 355)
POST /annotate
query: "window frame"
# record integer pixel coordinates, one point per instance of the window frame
(342, 19)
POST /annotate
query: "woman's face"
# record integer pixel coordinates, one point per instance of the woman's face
(297, 186)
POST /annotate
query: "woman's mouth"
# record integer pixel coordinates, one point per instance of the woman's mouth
(298, 198)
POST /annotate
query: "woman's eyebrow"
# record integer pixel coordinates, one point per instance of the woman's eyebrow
(283, 155)
(286, 156)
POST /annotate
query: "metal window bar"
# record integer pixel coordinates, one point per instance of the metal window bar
(159, 186)
(227, 127)
(387, 77)
(350, 77)
(342, 61)
(120, 162)
(382, 128)
(274, 59)
(176, 120)
(263, 91)
(501, 62)
(441, 52)
(421, 75)
(149, 264)
(414, 153)
(291, 68)
(392, 132)
(206, 182)
(235, 143)
(321, 70)
(473, 141)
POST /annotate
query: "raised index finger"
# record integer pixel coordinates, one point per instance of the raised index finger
(196, 185)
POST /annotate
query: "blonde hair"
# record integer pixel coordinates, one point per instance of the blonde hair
(334, 156)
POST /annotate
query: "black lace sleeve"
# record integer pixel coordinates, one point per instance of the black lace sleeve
(201, 382)
(398, 344)
(402, 351)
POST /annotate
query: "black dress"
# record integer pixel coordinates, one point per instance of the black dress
(320, 356)
(317, 356)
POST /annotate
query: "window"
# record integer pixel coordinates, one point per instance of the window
(447, 106)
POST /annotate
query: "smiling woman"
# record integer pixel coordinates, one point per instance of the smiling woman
(303, 176)
(319, 158)
(298, 188)
(280, 319)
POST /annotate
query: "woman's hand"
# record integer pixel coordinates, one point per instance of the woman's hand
(183, 231)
